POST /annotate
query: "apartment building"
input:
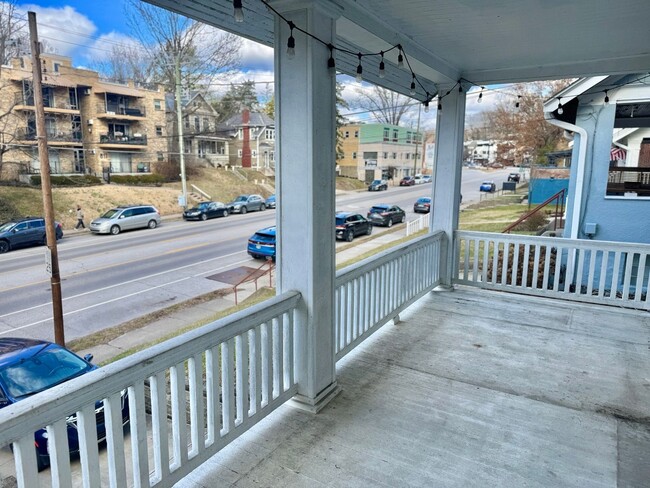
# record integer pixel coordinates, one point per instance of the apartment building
(253, 144)
(205, 141)
(380, 151)
(93, 125)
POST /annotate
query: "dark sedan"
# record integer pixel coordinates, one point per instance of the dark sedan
(29, 231)
(422, 205)
(378, 185)
(350, 225)
(407, 181)
(206, 210)
(384, 214)
(29, 366)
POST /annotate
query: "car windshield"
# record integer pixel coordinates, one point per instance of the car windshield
(48, 367)
(378, 208)
(204, 205)
(487, 183)
(340, 220)
(241, 198)
(264, 237)
(7, 226)
(424, 200)
(110, 214)
(376, 182)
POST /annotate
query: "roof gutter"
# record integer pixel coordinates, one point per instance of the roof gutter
(580, 172)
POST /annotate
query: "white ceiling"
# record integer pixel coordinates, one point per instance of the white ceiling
(484, 41)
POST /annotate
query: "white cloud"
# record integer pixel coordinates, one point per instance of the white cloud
(256, 56)
(101, 48)
(62, 28)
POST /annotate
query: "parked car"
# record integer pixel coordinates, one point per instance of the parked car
(426, 179)
(261, 245)
(422, 205)
(29, 366)
(407, 181)
(488, 186)
(246, 203)
(270, 202)
(385, 214)
(350, 225)
(28, 231)
(206, 210)
(418, 179)
(378, 185)
(126, 217)
(514, 177)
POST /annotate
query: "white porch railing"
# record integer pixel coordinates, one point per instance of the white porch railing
(245, 362)
(374, 291)
(422, 222)
(589, 271)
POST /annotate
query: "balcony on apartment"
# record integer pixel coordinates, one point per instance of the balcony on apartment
(55, 137)
(116, 139)
(59, 100)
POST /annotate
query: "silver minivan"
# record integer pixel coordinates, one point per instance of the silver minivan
(126, 217)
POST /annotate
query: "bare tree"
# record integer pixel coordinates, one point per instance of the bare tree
(388, 107)
(202, 51)
(127, 62)
(14, 38)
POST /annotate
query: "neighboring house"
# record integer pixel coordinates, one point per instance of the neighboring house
(91, 124)
(373, 151)
(205, 141)
(482, 152)
(609, 189)
(253, 144)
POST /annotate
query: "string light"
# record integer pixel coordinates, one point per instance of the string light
(480, 95)
(239, 11)
(460, 88)
(291, 43)
(382, 67)
(606, 98)
(426, 106)
(400, 58)
(560, 110)
(439, 106)
(412, 90)
(331, 65)
(359, 76)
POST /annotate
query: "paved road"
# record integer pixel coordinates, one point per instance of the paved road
(108, 280)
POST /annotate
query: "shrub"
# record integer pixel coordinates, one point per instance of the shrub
(85, 180)
(138, 180)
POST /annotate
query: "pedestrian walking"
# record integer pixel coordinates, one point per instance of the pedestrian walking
(80, 218)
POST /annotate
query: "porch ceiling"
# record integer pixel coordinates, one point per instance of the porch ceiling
(485, 42)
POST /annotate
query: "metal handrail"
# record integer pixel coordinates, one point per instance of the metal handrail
(248, 277)
(559, 201)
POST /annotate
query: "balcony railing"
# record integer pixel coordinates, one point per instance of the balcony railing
(582, 270)
(53, 135)
(134, 139)
(622, 180)
(131, 111)
(58, 102)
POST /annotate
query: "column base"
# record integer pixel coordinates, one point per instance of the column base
(315, 405)
(444, 288)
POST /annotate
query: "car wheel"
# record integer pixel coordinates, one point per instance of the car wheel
(389, 223)
(153, 224)
(224, 213)
(204, 217)
(4, 247)
(263, 207)
(349, 235)
(369, 231)
(115, 230)
(403, 219)
(243, 210)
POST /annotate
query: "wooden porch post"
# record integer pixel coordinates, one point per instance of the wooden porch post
(447, 176)
(305, 121)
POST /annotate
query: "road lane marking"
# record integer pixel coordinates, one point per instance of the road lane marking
(95, 305)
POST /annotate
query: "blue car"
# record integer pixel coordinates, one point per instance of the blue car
(261, 245)
(29, 366)
(488, 186)
(270, 202)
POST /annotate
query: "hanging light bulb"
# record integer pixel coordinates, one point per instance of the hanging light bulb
(359, 76)
(560, 110)
(400, 58)
(426, 106)
(382, 67)
(331, 65)
(291, 43)
(239, 11)
(480, 96)
(439, 106)
(460, 87)
(412, 91)
(606, 98)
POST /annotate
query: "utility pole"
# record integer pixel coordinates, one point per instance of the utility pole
(179, 118)
(52, 254)
(417, 139)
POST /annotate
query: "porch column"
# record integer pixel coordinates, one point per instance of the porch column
(306, 135)
(447, 176)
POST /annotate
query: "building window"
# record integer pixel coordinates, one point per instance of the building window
(56, 67)
(354, 155)
(408, 156)
(254, 153)
(394, 155)
(197, 124)
(160, 156)
(356, 134)
(347, 134)
(187, 146)
(409, 135)
(159, 130)
(240, 133)
(386, 134)
(186, 122)
(239, 153)
(270, 134)
(157, 104)
(385, 155)
(221, 148)
(206, 124)
(395, 135)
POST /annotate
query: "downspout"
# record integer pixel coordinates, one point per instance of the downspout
(580, 172)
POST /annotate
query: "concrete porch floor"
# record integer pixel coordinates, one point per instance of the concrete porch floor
(473, 389)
